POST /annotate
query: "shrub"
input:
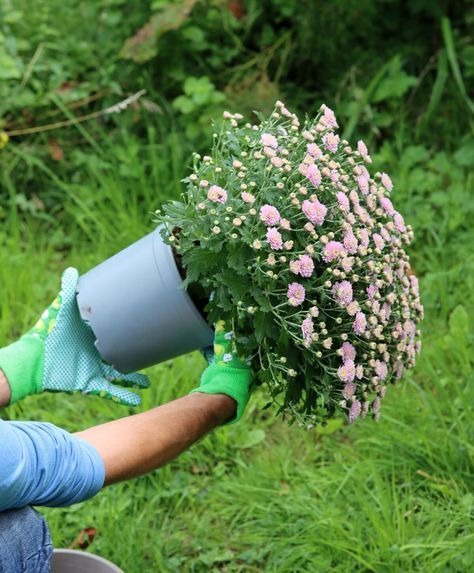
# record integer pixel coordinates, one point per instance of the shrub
(301, 250)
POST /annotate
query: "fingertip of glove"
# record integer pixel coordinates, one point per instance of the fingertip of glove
(69, 280)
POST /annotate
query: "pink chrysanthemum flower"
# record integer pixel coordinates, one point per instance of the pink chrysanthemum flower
(360, 323)
(247, 197)
(307, 328)
(347, 263)
(314, 150)
(306, 266)
(359, 371)
(364, 237)
(295, 267)
(349, 390)
(348, 351)
(354, 197)
(285, 224)
(328, 119)
(331, 141)
(362, 149)
(381, 369)
(385, 311)
(269, 215)
(315, 211)
(387, 206)
(216, 194)
(343, 202)
(364, 172)
(274, 239)
(399, 222)
(363, 184)
(372, 290)
(276, 161)
(296, 294)
(342, 292)
(346, 372)
(387, 182)
(378, 241)
(414, 285)
(333, 250)
(314, 311)
(269, 140)
(303, 169)
(353, 308)
(350, 243)
(355, 410)
(314, 175)
(385, 234)
(388, 274)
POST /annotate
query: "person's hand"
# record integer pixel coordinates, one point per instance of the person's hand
(58, 354)
(227, 373)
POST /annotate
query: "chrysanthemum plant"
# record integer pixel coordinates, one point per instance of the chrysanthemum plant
(301, 251)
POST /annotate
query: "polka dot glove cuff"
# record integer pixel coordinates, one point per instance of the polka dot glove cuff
(58, 354)
(227, 373)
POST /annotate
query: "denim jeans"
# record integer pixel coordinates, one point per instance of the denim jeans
(25, 542)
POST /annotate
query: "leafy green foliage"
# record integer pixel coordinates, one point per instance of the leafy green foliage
(244, 191)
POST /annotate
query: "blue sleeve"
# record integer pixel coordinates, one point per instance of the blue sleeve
(41, 464)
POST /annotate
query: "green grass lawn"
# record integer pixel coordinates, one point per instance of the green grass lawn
(394, 496)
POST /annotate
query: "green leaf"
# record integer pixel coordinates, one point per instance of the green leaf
(238, 256)
(264, 325)
(394, 84)
(236, 283)
(143, 45)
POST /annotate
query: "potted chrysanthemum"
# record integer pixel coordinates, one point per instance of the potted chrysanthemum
(301, 250)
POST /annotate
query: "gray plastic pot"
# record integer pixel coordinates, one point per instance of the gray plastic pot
(71, 561)
(139, 314)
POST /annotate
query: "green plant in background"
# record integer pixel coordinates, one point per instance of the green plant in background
(198, 104)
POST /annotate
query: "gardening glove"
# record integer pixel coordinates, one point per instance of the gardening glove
(227, 373)
(58, 354)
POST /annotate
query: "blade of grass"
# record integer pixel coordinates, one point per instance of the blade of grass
(437, 91)
(453, 60)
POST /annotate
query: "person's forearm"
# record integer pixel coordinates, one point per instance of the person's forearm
(137, 444)
(5, 390)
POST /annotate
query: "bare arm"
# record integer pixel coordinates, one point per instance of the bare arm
(5, 391)
(135, 445)
(138, 444)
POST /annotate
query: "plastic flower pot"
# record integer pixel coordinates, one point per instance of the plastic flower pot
(71, 561)
(137, 309)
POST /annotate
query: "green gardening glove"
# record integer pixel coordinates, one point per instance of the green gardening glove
(59, 355)
(227, 373)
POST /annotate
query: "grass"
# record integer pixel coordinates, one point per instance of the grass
(388, 497)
